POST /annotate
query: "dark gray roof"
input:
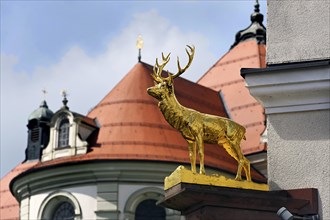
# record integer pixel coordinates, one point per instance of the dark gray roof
(256, 30)
(41, 113)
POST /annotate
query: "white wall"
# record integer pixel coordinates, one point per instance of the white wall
(299, 153)
(297, 31)
(297, 104)
(86, 195)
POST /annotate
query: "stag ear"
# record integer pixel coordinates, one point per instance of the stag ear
(169, 79)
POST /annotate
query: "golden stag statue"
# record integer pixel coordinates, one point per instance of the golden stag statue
(194, 126)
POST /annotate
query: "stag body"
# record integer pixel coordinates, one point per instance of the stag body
(197, 127)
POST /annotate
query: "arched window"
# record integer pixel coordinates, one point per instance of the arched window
(63, 133)
(142, 205)
(64, 210)
(59, 206)
(148, 209)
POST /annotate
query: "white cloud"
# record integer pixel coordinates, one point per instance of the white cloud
(88, 78)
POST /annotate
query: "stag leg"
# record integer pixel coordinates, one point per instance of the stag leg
(247, 169)
(192, 154)
(239, 170)
(200, 145)
(231, 150)
(241, 161)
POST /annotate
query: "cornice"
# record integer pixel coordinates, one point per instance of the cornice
(90, 173)
(291, 87)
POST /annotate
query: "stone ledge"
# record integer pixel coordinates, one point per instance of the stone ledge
(291, 87)
(182, 175)
(214, 202)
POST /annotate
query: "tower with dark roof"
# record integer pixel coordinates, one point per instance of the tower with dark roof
(38, 131)
(256, 30)
(248, 51)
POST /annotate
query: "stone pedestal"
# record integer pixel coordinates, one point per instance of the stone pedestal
(204, 202)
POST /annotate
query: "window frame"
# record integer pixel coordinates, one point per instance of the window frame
(63, 121)
(51, 202)
(141, 195)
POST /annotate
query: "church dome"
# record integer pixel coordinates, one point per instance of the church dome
(41, 113)
(132, 128)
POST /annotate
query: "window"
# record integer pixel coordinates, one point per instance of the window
(60, 206)
(35, 134)
(141, 205)
(148, 209)
(64, 210)
(63, 133)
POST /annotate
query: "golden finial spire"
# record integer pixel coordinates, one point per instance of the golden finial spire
(139, 45)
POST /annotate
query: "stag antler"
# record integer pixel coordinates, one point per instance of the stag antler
(191, 56)
(157, 70)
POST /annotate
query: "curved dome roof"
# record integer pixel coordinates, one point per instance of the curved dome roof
(41, 113)
(243, 108)
(133, 128)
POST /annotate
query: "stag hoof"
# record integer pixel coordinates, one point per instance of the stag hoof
(202, 172)
(238, 178)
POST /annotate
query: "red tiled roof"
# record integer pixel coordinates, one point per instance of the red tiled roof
(9, 207)
(133, 128)
(225, 75)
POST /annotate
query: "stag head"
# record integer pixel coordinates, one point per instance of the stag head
(164, 85)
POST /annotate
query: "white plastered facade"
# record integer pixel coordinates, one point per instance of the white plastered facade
(105, 190)
(297, 104)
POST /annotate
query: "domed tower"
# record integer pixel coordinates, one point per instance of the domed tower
(38, 131)
(248, 51)
(113, 161)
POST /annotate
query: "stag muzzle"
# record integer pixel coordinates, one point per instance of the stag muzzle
(152, 92)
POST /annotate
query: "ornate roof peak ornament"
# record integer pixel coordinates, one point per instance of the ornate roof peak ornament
(43, 104)
(256, 30)
(64, 93)
(256, 6)
(139, 45)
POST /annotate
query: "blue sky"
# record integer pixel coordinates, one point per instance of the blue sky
(86, 47)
